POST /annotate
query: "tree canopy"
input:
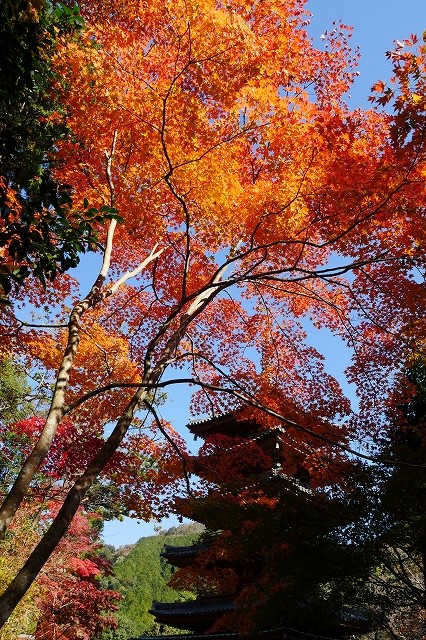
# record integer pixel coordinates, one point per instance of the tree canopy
(251, 199)
(77, 602)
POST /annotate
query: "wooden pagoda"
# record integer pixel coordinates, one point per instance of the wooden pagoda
(196, 618)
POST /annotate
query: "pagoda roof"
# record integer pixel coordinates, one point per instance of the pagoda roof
(269, 440)
(203, 606)
(170, 550)
(292, 483)
(225, 424)
(197, 615)
(181, 556)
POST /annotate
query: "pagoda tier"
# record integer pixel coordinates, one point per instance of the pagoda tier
(269, 440)
(226, 425)
(181, 556)
(195, 615)
(259, 473)
(238, 432)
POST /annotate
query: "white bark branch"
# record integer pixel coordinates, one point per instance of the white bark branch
(154, 254)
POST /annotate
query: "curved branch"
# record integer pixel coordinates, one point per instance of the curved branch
(57, 407)
(251, 401)
(172, 443)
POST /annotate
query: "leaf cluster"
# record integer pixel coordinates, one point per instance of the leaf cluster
(43, 237)
(31, 113)
(38, 234)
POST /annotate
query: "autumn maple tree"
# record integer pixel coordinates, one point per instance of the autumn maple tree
(67, 595)
(77, 604)
(393, 520)
(251, 199)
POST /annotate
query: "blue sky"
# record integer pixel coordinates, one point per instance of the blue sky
(377, 23)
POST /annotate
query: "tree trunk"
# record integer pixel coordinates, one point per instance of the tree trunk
(56, 411)
(26, 576)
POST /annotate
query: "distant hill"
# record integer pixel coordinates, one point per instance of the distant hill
(141, 575)
(187, 529)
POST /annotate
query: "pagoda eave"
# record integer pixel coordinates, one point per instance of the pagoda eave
(195, 615)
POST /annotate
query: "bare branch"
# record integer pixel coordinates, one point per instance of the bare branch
(173, 444)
